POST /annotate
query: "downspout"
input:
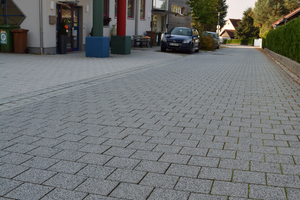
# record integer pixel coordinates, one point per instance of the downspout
(41, 27)
(136, 30)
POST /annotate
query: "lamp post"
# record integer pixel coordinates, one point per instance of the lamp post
(218, 26)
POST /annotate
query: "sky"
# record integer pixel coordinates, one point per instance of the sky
(237, 7)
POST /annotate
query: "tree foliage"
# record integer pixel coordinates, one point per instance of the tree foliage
(267, 12)
(205, 13)
(246, 28)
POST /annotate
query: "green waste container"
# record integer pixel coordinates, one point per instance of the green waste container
(7, 40)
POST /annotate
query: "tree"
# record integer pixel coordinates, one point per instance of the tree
(246, 29)
(291, 5)
(205, 13)
(267, 12)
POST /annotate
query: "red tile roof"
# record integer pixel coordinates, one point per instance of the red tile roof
(295, 12)
(235, 22)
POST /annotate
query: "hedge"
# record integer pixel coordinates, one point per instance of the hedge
(249, 42)
(285, 40)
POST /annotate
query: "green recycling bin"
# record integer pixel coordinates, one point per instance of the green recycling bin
(7, 40)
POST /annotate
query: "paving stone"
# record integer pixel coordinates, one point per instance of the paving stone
(47, 142)
(44, 152)
(160, 180)
(141, 146)
(289, 151)
(21, 148)
(68, 155)
(126, 163)
(66, 181)
(59, 193)
(93, 140)
(230, 189)
(263, 149)
(67, 167)
(293, 194)
(196, 196)
(283, 180)
(234, 164)
(279, 158)
(249, 177)
(94, 148)
(183, 170)
(165, 194)
(94, 171)
(150, 166)
(122, 152)
(10, 171)
(146, 155)
(194, 151)
(92, 158)
(37, 176)
(250, 156)
(158, 140)
(291, 169)
(97, 197)
(266, 192)
(131, 191)
(265, 167)
(184, 136)
(97, 186)
(186, 143)
(6, 185)
(117, 143)
(204, 161)
(129, 176)
(15, 158)
(175, 158)
(167, 148)
(221, 153)
(215, 173)
(29, 191)
(212, 145)
(194, 185)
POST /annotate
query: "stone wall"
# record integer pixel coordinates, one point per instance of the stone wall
(287, 62)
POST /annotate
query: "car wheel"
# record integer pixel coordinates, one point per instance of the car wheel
(190, 51)
(197, 50)
(163, 49)
(218, 47)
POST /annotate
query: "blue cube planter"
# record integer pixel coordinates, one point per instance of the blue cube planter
(97, 47)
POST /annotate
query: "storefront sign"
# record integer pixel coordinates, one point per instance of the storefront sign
(3, 36)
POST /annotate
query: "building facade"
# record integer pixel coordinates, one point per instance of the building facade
(42, 18)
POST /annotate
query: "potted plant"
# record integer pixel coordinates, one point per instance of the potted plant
(106, 20)
(62, 37)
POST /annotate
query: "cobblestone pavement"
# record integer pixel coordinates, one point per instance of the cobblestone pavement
(217, 125)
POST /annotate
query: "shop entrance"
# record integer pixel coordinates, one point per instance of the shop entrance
(70, 14)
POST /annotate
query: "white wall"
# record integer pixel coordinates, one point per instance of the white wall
(30, 9)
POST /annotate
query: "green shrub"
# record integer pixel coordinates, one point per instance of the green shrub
(207, 43)
(285, 40)
(249, 42)
(264, 37)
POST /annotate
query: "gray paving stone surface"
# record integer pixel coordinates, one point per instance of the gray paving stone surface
(211, 125)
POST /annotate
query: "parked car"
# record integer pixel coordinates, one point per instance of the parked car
(182, 39)
(215, 37)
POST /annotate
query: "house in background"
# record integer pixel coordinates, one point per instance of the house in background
(228, 30)
(287, 18)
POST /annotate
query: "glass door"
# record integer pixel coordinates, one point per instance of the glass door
(75, 29)
(66, 15)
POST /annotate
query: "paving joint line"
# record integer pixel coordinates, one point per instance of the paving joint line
(30, 97)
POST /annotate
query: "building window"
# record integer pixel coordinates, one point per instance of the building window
(130, 12)
(142, 10)
(178, 9)
(116, 7)
(105, 10)
(10, 14)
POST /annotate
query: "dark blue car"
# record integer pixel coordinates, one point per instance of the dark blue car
(182, 39)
